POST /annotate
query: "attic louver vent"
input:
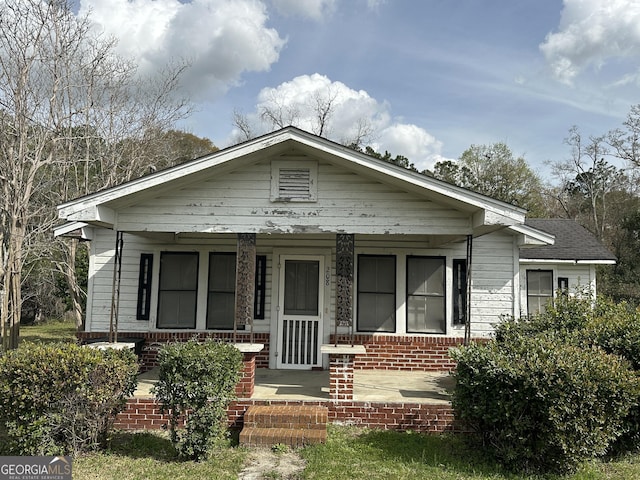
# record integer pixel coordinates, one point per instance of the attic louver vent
(294, 181)
(294, 184)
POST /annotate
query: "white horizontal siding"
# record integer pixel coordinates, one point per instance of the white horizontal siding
(240, 202)
(580, 276)
(492, 280)
(492, 276)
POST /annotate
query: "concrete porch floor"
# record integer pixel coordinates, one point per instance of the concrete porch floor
(369, 385)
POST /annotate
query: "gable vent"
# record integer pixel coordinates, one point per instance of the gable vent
(294, 184)
(294, 181)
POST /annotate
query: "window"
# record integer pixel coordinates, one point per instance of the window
(539, 290)
(376, 293)
(221, 296)
(459, 292)
(177, 294)
(222, 290)
(425, 295)
(144, 286)
(301, 287)
(563, 285)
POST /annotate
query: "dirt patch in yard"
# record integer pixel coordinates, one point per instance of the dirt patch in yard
(264, 463)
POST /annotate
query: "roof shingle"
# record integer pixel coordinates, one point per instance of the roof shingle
(572, 242)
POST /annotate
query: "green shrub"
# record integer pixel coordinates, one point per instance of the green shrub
(615, 327)
(62, 398)
(196, 384)
(540, 403)
(567, 315)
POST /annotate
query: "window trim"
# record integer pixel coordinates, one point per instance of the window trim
(443, 296)
(529, 295)
(395, 292)
(260, 292)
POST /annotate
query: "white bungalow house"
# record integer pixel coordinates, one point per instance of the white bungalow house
(293, 242)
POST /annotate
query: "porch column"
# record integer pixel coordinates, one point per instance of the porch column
(341, 362)
(245, 281)
(245, 292)
(345, 245)
(246, 385)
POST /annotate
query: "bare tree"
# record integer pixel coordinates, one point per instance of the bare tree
(279, 112)
(73, 118)
(315, 113)
(587, 180)
(626, 141)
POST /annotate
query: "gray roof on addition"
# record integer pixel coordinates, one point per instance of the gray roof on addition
(572, 243)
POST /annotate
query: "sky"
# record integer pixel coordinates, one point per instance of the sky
(428, 78)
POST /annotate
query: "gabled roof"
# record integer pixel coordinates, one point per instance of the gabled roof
(573, 243)
(98, 208)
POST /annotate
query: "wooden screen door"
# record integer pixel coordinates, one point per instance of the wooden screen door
(300, 312)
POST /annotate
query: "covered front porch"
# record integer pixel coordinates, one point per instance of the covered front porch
(368, 386)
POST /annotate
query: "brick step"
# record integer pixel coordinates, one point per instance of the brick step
(286, 416)
(293, 437)
(296, 426)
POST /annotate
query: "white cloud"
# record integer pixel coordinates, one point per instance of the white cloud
(590, 33)
(221, 38)
(419, 146)
(312, 9)
(296, 102)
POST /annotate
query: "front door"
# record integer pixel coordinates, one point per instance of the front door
(300, 312)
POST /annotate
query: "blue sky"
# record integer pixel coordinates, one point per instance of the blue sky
(428, 77)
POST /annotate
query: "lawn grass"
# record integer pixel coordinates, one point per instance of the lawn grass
(349, 454)
(150, 455)
(352, 454)
(48, 332)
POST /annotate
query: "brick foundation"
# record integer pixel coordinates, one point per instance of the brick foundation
(144, 413)
(409, 353)
(423, 353)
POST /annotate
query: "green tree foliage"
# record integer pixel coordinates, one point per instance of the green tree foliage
(494, 171)
(196, 384)
(399, 160)
(62, 398)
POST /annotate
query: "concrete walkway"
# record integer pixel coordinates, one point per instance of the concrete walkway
(369, 385)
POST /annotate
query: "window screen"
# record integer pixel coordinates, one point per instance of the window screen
(376, 293)
(178, 290)
(425, 295)
(539, 290)
(221, 294)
